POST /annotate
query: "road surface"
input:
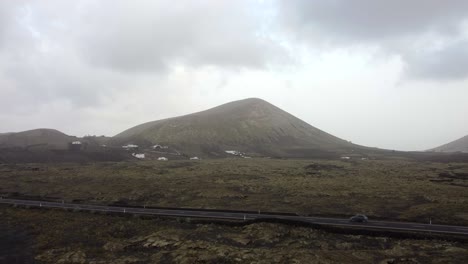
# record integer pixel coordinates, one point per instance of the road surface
(200, 213)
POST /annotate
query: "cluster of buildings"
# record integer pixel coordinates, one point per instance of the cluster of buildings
(130, 146)
(155, 147)
(237, 153)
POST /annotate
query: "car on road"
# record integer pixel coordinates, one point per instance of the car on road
(359, 218)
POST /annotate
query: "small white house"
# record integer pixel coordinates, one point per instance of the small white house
(157, 146)
(139, 155)
(163, 159)
(76, 143)
(345, 158)
(130, 146)
(233, 152)
(194, 158)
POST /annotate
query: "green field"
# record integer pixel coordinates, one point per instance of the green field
(387, 189)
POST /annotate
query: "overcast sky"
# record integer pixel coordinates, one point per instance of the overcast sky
(389, 74)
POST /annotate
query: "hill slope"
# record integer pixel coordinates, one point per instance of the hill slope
(43, 137)
(459, 145)
(250, 125)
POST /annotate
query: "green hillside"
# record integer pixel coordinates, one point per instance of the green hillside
(250, 125)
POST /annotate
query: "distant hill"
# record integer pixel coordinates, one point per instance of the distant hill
(50, 145)
(50, 139)
(42, 137)
(250, 126)
(459, 145)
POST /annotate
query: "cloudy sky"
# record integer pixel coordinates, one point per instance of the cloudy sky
(389, 74)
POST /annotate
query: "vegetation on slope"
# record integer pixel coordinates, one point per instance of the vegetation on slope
(250, 125)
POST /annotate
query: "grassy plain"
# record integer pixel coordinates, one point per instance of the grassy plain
(388, 189)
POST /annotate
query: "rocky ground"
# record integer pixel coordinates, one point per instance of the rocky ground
(55, 236)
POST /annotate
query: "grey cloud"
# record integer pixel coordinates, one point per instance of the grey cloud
(45, 81)
(370, 20)
(79, 51)
(448, 63)
(152, 35)
(394, 26)
(10, 14)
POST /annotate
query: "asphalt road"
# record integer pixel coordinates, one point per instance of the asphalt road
(200, 213)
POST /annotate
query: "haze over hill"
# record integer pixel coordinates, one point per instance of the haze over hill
(459, 145)
(50, 145)
(251, 125)
(165, 60)
(46, 138)
(41, 137)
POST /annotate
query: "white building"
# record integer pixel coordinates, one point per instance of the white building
(157, 146)
(233, 152)
(163, 158)
(130, 146)
(139, 155)
(194, 158)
